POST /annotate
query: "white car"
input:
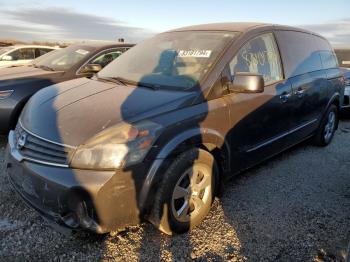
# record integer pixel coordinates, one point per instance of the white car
(18, 55)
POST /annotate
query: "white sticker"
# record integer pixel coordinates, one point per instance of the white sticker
(82, 51)
(346, 62)
(194, 53)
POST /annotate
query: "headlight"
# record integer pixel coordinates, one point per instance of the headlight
(5, 94)
(115, 147)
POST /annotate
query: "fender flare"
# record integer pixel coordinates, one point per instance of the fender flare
(335, 96)
(17, 110)
(206, 135)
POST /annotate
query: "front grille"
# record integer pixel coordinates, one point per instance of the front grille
(36, 149)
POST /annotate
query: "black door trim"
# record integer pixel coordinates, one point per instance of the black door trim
(267, 142)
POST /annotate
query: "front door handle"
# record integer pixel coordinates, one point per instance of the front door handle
(284, 97)
(300, 92)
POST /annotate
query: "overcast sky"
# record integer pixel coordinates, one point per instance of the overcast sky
(67, 20)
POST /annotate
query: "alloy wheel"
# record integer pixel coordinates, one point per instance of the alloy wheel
(191, 193)
(330, 125)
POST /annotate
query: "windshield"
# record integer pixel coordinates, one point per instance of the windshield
(176, 60)
(63, 59)
(5, 50)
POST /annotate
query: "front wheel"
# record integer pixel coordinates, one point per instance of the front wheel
(326, 130)
(186, 192)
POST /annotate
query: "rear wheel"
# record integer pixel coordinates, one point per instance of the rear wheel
(186, 192)
(327, 128)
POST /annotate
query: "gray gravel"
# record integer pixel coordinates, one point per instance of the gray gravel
(295, 207)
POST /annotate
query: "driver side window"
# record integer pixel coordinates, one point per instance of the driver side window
(259, 56)
(106, 58)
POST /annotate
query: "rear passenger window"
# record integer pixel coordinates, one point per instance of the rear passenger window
(300, 52)
(259, 56)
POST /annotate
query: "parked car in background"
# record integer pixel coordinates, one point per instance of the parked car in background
(18, 84)
(18, 55)
(346, 103)
(4, 44)
(343, 56)
(158, 129)
(344, 61)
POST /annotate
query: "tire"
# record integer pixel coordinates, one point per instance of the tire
(185, 193)
(326, 130)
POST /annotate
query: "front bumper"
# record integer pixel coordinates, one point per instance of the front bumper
(100, 201)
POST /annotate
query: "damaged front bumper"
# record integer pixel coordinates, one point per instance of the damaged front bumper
(100, 201)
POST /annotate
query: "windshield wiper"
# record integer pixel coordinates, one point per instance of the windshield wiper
(47, 68)
(111, 79)
(148, 85)
(124, 81)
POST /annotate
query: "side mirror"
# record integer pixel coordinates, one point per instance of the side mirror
(91, 69)
(247, 83)
(7, 58)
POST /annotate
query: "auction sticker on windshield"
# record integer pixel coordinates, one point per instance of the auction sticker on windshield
(82, 52)
(194, 53)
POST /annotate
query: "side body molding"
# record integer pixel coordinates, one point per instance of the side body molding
(200, 135)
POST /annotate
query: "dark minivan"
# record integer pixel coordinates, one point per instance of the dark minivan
(156, 132)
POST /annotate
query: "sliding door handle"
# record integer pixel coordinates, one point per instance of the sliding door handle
(284, 97)
(300, 92)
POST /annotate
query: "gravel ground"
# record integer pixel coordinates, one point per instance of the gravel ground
(295, 207)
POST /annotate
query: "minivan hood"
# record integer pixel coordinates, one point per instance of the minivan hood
(74, 111)
(17, 76)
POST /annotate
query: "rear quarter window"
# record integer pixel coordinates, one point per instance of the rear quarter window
(299, 51)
